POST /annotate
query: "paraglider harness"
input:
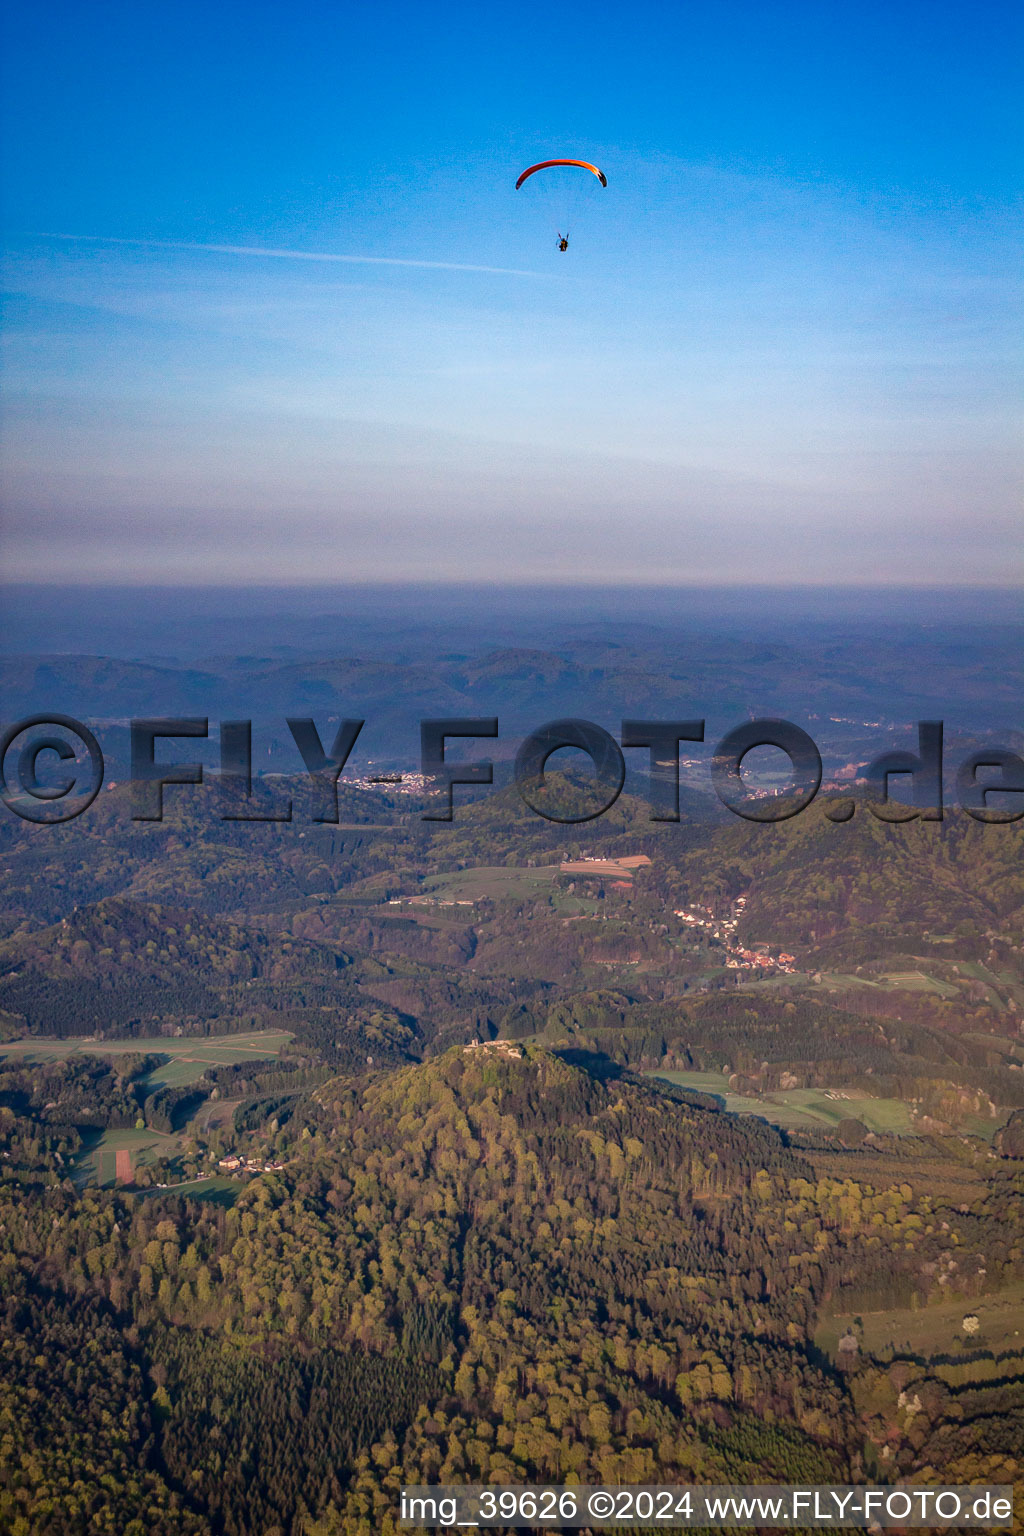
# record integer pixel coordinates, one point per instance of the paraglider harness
(563, 241)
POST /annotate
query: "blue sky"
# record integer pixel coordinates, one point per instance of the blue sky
(783, 346)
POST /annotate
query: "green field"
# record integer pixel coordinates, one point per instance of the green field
(217, 1190)
(190, 1056)
(842, 980)
(936, 1329)
(492, 882)
(96, 1164)
(919, 981)
(801, 1108)
(705, 1082)
(825, 981)
(215, 1113)
(977, 972)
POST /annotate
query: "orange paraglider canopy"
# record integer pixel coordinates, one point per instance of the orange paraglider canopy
(542, 165)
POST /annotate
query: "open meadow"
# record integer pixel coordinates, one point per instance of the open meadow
(114, 1155)
(189, 1056)
(492, 882)
(936, 1330)
(801, 1108)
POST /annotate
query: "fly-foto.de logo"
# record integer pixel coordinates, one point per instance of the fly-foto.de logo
(52, 768)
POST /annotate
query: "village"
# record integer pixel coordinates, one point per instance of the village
(236, 1163)
(393, 783)
(724, 929)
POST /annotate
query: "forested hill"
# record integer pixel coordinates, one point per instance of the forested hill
(487, 1266)
(117, 938)
(127, 967)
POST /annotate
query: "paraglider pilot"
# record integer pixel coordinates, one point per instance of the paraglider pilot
(563, 241)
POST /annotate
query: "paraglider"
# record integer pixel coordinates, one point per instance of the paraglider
(548, 165)
(542, 165)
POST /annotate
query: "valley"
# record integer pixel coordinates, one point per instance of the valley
(542, 1151)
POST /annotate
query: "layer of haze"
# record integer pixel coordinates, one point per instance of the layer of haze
(783, 345)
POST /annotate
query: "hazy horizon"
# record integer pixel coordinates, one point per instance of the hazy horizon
(134, 621)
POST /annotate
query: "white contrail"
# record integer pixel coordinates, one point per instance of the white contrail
(260, 250)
